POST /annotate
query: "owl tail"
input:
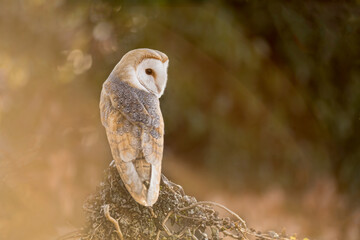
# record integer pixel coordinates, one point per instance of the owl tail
(154, 188)
(143, 168)
(141, 179)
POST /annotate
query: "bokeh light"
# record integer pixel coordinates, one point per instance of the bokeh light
(262, 108)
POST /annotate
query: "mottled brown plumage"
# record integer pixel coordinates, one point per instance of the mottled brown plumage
(131, 115)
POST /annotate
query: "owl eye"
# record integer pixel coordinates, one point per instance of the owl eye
(148, 71)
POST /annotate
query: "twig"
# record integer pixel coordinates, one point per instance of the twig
(181, 233)
(158, 235)
(152, 212)
(113, 221)
(192, 218)
(231, 235)
(92, 235)
(164, 222)
(214, 204)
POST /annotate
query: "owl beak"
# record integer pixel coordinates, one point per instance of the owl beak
(158, 88)
(154, 91)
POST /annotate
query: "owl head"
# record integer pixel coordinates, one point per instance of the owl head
(145, 69)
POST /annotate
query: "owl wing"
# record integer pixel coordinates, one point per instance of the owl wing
(135, 132)
(152, 143)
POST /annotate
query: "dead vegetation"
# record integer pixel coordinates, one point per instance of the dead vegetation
(112, 214)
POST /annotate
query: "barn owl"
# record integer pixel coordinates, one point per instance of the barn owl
(130, 112)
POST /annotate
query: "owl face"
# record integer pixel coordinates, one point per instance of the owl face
(145, 69)
(152, 74)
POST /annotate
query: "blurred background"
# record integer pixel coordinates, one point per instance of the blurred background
(262, 108)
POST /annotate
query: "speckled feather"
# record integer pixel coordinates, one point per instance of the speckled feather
(135, 130)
